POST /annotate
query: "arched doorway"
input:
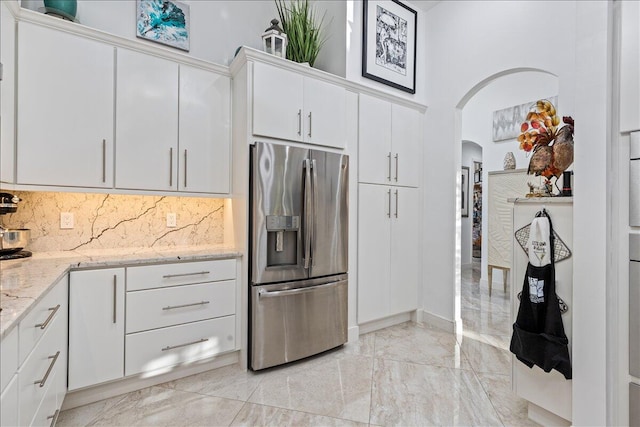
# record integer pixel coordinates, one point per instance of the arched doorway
(483, 318)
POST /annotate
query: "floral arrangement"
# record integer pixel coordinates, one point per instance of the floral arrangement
(549, 139)
(540, 125)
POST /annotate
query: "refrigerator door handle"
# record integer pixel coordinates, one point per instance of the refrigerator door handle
(314, 185)
(268, 294)
(307, 213)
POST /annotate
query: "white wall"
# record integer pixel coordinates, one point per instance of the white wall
(332, 57)
(218, 28)
(471, 152)
(470, 42)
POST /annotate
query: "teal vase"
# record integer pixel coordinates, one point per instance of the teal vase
(67, 7)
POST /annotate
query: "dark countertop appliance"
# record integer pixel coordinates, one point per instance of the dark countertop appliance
(12, 241)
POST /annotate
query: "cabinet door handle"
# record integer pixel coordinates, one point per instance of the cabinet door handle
(396, 203)
(171, 167)
(54, 418)
(299, 122)
(104, 160)
(389, 211)
(389, 161)
(171, 347)
(115, 296)
(171, 307)
(396, 167)
(46, 322)
(309, 124)
(185, 168)
(46, 375)
(171, 276)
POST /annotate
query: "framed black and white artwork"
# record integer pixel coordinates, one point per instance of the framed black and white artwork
(389, 43)
(464, 192)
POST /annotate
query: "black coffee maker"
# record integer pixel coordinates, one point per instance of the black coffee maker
(12, 241)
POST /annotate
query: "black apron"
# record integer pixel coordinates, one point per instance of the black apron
(538, 334)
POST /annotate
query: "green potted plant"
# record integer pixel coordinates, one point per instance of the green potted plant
(305, 34)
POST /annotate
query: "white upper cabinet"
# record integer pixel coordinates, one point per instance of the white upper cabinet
(64, 109)
(630, 66)
(390, 143)
(325, 113)
(146, 122)
(406, 128)
(277, 102)
(173, 126)
(204, 131)
(290, 106)
(374, 146)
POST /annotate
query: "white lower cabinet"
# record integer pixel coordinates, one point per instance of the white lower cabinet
(388, 251)
(158, 308)
(162, 348)
(49, 409)
(41, 378)
(96, 326)
(176, 313)
(9, 404)
(174, 318)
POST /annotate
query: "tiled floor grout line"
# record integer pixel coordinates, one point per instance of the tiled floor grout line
(373, 369)
(238, 413)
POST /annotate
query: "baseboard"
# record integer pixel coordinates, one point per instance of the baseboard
(437, 321)
(375, 325)
(353, 334)
(93, 394)
(544, 417)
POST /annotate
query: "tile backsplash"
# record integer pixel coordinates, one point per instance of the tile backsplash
(107, 221)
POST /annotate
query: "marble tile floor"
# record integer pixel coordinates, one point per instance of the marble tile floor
(405, 375)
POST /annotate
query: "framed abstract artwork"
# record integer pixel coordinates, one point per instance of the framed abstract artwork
(389, 43)
(464, 192)
(164, 21)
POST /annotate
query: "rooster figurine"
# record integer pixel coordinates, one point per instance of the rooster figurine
(552, 146)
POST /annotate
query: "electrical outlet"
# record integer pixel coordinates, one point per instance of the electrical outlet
(172, 220)
(66, 220)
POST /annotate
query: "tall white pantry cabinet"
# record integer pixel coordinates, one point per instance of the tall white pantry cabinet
(389, 206)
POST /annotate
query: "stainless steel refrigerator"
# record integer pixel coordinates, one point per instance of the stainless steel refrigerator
(298, 256)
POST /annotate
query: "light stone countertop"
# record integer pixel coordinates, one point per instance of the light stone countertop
(23, 282)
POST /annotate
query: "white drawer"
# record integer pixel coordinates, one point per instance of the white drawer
(9, 403)
(158, 308)
(182, 273)
(36, 366)
(47, 411)
(175, 345)
(8, 358)
(35, 324)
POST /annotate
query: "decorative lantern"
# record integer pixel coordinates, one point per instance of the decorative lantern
(274, 40)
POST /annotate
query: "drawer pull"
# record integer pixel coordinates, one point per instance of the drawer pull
(171, 307)
(54, 417)
(46, 322)
(46, 375)
(171, 347)
(171, 276)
